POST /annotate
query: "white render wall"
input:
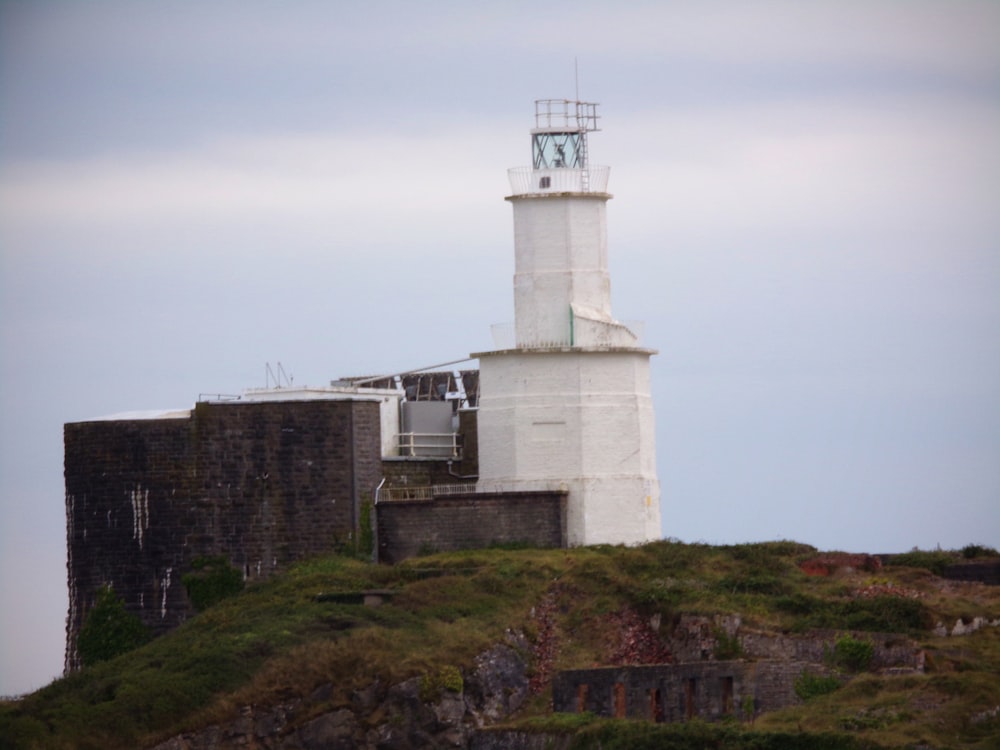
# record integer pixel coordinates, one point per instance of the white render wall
(560, 259)
(576, 418)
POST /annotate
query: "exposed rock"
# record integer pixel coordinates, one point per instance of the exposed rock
(638, 641)
(547, 642)
(380, 718)
(961, 627)
(499, 684)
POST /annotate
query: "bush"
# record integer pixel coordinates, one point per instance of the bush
(972, 551)
(433, 684)
(809, 685)
(727, 646)
(212, 580)
(109, 630)
(798, 604)
(935, 562)
(763, 584)
(853, 655)
(890, 614)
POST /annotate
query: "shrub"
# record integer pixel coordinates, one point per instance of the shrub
(763, 584)
(852, 654)
(809, 685)
(109, 630)
(727, 646)
(212, 580)
(798, 604)
(891, 614)
(445, 678)
(972, 551)
(935, 562)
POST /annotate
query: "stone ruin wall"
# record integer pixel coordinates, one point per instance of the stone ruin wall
(696, 684)
(261, 484)
(408, 528)
(678, 692)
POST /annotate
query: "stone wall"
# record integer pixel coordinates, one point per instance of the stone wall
(406, 528)
(421, 472)
(983, 571)
(261, 484)
(696, 638)
(676, 692)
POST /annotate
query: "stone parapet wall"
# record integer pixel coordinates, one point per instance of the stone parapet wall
(406, 528)
(677, 692)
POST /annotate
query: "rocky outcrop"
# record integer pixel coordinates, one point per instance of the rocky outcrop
(965, 626)
(416, 713)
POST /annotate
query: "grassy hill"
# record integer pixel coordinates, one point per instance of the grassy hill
(287, 637)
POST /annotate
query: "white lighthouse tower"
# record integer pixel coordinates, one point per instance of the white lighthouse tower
(565, 401)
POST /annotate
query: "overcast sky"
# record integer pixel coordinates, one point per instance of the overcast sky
(806, 215)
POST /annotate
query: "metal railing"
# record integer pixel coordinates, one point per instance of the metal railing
(528, 181)
(429, 492)
(430, 444)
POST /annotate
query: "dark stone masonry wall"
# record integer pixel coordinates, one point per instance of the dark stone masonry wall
(260, 483)
(407, 528)
(677, 692)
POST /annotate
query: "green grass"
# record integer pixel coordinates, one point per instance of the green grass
(280, 639)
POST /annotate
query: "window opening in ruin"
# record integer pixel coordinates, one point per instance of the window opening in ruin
(619, 700)
(727, 695)
(656, 705)
(581, 697)
(690, 687)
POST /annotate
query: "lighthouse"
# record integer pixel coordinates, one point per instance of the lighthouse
(565, 395)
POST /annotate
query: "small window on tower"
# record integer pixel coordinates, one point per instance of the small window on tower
(544, 182)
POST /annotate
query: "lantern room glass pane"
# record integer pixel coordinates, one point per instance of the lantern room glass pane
(557, 150)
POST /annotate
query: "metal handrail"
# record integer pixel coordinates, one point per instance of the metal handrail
(432, 444)
(528, 181)
(429, 492)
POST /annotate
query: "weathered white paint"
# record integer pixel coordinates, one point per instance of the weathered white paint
(139, 498)
(165, 587)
